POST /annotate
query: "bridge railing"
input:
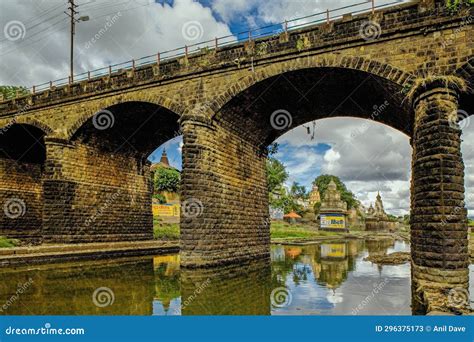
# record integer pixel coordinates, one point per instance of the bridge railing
(219, 42)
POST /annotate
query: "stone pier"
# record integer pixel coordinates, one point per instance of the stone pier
(439, 243)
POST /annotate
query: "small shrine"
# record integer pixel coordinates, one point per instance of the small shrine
(377, 219)
(292, 217)
(333, 210)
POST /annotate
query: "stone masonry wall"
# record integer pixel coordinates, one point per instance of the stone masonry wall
(92, 195)
(21, 200)
(224, 175)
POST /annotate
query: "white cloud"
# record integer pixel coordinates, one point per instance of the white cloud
(142, 28)
(277, 11)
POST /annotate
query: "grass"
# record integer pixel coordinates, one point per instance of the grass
(278, 230)
(454, 81)
(165, 231)
(283, 230)
(8, 243)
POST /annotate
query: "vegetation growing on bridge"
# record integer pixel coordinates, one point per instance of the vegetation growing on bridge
(10, 92)
(455, 5)
(7, 243)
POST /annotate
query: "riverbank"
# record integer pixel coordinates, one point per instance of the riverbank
(283, 232)
(72, 252)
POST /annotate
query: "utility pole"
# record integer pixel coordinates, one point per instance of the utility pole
(72, 7)
(71, 14)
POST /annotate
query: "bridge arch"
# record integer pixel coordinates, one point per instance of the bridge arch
(143, 96)
(100, 176)
(402, 79)
(22, 161)
(26, 120)
(300, 93)
(466, 101)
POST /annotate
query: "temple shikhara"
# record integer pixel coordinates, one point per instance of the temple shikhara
(376, 218)
(333, 210)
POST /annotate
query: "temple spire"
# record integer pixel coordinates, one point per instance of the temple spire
(164, 158)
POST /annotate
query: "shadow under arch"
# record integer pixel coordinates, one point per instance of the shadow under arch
(466, 100)
(104, 181)
(269, 108)
(159, 103)
(22, 159)
(128, 126)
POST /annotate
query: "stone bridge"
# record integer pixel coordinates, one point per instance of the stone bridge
(74, 158)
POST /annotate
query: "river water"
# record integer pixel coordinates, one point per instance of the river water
(317, 279)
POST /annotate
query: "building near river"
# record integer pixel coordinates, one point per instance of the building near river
(333, 211)
(314, 196)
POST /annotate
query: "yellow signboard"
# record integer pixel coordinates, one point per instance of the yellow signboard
(167, 210)
(333, 221)
(333, 250)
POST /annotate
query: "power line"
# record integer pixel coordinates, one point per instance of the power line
(17, 45)
(29, 28)
(99, 7)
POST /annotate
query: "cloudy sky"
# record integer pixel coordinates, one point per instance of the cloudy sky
(34, 48)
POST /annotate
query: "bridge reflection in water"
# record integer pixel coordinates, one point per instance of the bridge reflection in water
(318, 279)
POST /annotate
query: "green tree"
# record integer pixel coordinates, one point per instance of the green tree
(167, 179)
(287, 203)
(160, 197)
(298, 191)
(9, 92)
(276, 174)
(347, 196)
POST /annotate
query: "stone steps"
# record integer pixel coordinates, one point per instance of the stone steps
(52, 253)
